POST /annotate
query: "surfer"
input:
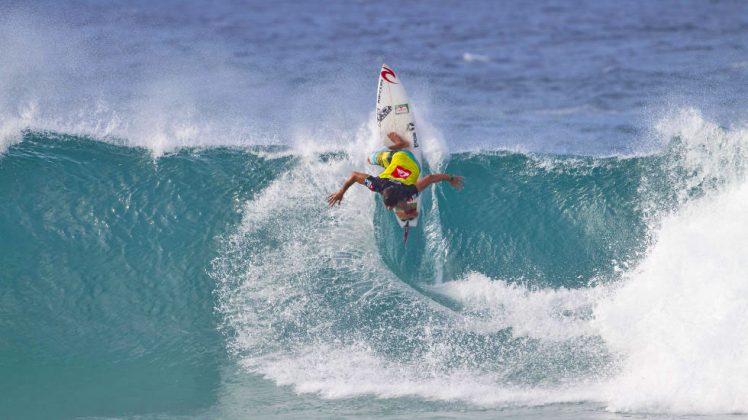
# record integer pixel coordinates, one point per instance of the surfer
(399, 182)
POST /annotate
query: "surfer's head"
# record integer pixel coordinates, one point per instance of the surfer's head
(394, 195)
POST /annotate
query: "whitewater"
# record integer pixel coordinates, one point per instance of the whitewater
(166, 250)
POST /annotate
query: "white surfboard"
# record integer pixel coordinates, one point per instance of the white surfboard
(395, 113)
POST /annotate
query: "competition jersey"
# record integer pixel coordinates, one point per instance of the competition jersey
(399, 165)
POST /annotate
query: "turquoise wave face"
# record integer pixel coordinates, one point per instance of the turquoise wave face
(158, 279)
(546, 221)
(105, 292)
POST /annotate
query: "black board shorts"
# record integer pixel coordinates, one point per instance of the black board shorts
(378, 185)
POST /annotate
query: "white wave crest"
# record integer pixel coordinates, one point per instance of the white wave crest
(550, 314)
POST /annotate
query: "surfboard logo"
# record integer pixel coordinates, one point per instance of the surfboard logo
(401, 172)
(402, 109)
(386, 73)
(383, 113)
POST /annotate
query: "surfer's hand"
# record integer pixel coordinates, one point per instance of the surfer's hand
(335, 198)
(457, 182)
(398, 143)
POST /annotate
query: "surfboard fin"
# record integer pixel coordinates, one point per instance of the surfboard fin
(405, 235)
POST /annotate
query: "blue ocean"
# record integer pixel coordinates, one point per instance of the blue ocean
(167, 252)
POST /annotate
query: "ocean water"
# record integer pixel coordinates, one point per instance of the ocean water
(166, 251)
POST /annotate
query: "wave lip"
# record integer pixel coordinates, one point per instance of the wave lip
(549, 314)
(679, 318)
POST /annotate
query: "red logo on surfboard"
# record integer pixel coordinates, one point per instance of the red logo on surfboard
(401, 172)
(386, 72)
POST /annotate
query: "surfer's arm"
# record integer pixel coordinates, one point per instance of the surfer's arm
(398, 143)
(455, 181)
(337, 197)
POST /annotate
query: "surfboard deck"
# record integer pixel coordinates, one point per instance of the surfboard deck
(395, 113)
